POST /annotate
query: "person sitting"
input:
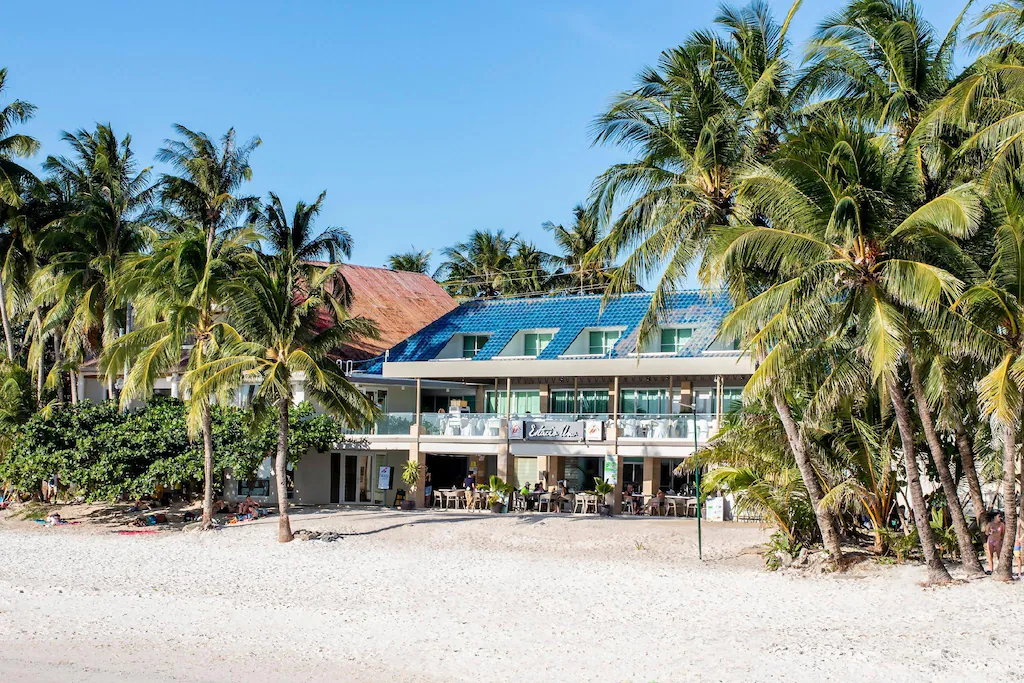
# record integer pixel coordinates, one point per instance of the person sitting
(248, 506)
(657, 504)
(527, 497)
(628, 497)
(559, 496)
(221, 505)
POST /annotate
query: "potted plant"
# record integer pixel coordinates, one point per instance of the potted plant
(605, 490)
(498, 494)
(411, 477)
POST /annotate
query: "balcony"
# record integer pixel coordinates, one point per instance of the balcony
(487, 426)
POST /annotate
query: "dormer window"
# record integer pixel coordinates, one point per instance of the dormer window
(603, 341)
(535, 342)
(472, 344)
(674, 339)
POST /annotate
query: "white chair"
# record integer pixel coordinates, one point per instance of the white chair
(544, 502)
(579, 503)
(660, 429)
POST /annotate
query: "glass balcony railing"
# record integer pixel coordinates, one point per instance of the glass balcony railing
(488, 425)
(466, 424)
(682, 426)
(387, 423)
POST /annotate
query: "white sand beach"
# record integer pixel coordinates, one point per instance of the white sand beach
(433, 596)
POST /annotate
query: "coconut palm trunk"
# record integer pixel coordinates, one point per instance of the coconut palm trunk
(73, 376)
(284, 527)
(937, 572)
(58, 361)
(207, 427)
(966, 449)
(8, 335)
(826, 522)
(963, 534)
(1004, 571)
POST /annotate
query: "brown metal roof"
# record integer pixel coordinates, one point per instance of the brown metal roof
(400, 303)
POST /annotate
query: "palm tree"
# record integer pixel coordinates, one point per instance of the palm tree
(289, 317)
(579, 271)
(14, 253)
(178, 290)
(880, 59)
(412, 261)
(848, 244)
(710, 106)
(997, 304)
(86, 246)
(529, 273)
(479, 267)
(210, 176)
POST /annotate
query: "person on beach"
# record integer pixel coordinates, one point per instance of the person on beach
(559, 496)
(248, 506)
(994, 543)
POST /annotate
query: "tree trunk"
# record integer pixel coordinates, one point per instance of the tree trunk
(284, 527)
(8, 335)
(207, 467)
(73, 376)
(826, 522)
(58, 360)
(936, 570)
(963, 534)
(1004, 571)
(40, 367)
(966, 448)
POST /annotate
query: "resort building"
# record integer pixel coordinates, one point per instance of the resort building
(539, 389)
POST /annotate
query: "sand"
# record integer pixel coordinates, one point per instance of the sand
(435, 596)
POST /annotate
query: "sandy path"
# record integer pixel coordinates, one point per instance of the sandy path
(453, 597)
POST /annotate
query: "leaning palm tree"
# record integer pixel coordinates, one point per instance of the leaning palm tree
(997, 304)
(412, 261)
(853, 255)
(179, 289)
(288, 323)
(13, 251)
(479, 266)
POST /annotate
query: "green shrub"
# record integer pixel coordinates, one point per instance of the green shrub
(109, 454)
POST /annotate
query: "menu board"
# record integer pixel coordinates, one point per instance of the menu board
(384, 478)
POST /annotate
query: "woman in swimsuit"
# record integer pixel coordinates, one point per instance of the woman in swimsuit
(994, 544)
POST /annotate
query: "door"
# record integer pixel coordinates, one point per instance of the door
(335, 477)
(350, 478)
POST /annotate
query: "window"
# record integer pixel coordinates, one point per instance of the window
(673, 340)
(254, 487)
(535, 342)
(472, 343)
(602, 341)
(591, 402)
(522, 402)
(646, 401)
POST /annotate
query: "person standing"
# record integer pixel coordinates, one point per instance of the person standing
(994, 543)
(469, 483)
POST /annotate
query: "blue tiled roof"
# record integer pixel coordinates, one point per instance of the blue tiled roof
(570, 315)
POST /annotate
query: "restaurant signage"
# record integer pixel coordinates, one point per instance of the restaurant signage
(554, 430)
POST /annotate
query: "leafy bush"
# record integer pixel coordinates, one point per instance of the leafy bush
(780, 542)
(109, 454)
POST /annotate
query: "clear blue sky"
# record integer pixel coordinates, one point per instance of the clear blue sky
(422, 120)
